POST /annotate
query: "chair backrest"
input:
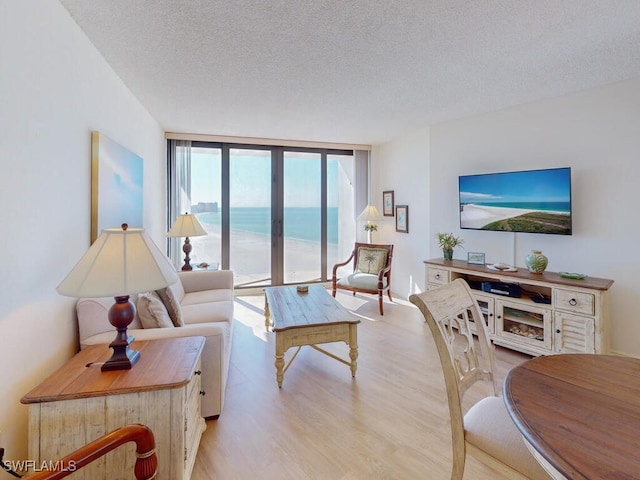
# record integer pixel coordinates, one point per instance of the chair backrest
(371, 258)
(448, 311)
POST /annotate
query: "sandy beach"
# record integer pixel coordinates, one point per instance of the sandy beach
(251, 256)
(477, 216)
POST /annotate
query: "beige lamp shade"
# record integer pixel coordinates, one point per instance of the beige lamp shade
(370, 214)
(186, 225)
(120, 262)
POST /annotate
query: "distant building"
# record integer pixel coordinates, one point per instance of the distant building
(204, 207)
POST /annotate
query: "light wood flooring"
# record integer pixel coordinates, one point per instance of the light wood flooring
(390, 422)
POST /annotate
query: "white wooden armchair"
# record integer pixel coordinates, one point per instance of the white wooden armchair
(486, 431)
(371, 272)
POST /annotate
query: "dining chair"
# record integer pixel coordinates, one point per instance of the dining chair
(486, 430)
(371, 272)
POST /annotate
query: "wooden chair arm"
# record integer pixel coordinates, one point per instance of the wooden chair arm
(146, 461)
(337, 265)
(383, 272)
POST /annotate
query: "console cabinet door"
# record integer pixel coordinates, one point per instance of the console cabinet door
(526, 325)
(573, 333)
(486, 305)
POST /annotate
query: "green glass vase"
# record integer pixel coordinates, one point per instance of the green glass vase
(447, 252)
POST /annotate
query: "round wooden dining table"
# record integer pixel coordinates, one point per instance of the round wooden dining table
(580, 413)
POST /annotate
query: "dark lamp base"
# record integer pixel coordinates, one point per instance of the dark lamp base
(186, 248)
(123, 357)
(121, 314)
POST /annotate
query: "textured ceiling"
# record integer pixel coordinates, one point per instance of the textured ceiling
(354, 71)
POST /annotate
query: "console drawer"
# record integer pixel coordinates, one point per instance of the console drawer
(572, 301)
(437, 275)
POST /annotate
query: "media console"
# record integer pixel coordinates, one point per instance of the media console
(534, 313)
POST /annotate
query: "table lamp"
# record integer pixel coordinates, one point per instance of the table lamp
(186, 225)
(120, 262)
(370, 215)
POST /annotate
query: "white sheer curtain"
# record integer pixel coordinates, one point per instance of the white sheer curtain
(361, 190)
(179, 198)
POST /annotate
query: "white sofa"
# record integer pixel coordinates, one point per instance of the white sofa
(206, 303)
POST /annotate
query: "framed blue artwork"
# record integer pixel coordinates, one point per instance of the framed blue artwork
(116, 185)
(387, 203)
(402, 218)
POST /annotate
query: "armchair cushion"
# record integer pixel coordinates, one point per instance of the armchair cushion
(371, 260)
(152, 311)
(364, 281)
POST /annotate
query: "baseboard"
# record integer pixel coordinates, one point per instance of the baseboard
(622, 354)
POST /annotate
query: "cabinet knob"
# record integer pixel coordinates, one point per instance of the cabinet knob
(437, 276)
(573, 302)
(198, 372)
(203, 393)
(557, 330)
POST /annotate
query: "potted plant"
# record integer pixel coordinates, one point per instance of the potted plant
(448, 242)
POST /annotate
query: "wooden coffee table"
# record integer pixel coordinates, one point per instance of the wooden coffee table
(308, 318)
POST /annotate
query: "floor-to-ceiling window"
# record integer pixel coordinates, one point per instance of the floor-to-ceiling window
(250, 223)
(204, 199)
(274, 215)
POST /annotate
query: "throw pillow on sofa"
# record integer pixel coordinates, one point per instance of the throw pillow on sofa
(172, 304)
(152, 312)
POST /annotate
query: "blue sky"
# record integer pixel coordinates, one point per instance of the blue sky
(552, 185)
(250, 178)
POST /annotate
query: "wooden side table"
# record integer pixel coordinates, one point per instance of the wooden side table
(79, 402)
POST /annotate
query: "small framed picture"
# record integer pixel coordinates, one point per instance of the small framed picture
(402, 218)
(387, 203)
(475, 258)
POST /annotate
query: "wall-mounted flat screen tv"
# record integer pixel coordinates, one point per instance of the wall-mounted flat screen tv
(532, 201)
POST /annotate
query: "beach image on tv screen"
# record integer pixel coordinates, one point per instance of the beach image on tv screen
(534, 201)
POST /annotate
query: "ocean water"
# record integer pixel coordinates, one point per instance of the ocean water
(299, 222)
(541, 206)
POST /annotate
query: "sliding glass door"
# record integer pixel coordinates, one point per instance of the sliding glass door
(302, 217)
(273, 215)
(250, 181)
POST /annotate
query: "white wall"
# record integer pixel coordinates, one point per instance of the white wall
(597, 134)
(55, 88)
(403, 166)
